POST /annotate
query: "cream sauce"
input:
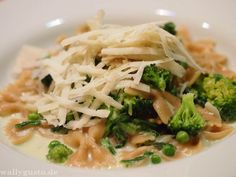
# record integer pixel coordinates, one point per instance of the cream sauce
(37, 147)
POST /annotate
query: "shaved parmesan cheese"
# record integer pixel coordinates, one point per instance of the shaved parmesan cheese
(131, 51)
(91, 70)
(74, 124)
(174, 49)
(132, 84)
(141, 87)
(173, 67)
(139, 74)
(102, 60)
(105, 99)
(214, 110)
(47, 107)
(76, 107)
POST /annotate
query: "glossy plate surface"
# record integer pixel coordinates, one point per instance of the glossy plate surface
(38, 22)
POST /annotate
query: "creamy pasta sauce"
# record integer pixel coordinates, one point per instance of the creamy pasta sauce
(37, 147)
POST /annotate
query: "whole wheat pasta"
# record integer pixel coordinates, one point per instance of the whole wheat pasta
(18, 136)
(162, 108)
(89, 154)
(205, 55)
(141, 138)
(73, 138)
(219, 133)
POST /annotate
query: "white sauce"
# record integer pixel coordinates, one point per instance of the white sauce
(36, 147)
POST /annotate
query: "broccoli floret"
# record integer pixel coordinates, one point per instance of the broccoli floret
(169, 27)
(120, 125)
(187, 117)
(114, 118)
(58, 152)
(131, 119)
(157, 78)
(135, 106)
(120, 135)
(219, 91)
(198, 91)
(138, 107)
(112, 126)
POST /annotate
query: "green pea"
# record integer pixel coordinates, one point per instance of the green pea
(34, 116)
(155, 159)
(168, 150)
(182, 137)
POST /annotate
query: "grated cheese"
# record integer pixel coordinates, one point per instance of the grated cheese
(81, 87)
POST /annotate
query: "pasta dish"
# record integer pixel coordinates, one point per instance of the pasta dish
(114, 95)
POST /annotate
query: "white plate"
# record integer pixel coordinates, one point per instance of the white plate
(39, 21)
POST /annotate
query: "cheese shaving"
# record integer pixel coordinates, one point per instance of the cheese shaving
(102, 60)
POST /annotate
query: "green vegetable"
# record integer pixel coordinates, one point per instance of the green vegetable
(148, 126)
(113, 127)
(132, 105)
(168, 150)
(34, 116)
(219, 91)
(115, 117)
(121, 136)
(138, 107)
(155, 159)
(121, 125)
(182, 137)
(34, 119)
(107, 144)
(198, 91)
(53, 143)
(157, 78)
(169, 27)
(118, 95)
(174, 90)
(69, 117)
(130, 119)
(60, 130)
(58, 152)
(156, 144)
(182, 63)
(28, 123)
(47, 80)
(187, 117)
(131, 162)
